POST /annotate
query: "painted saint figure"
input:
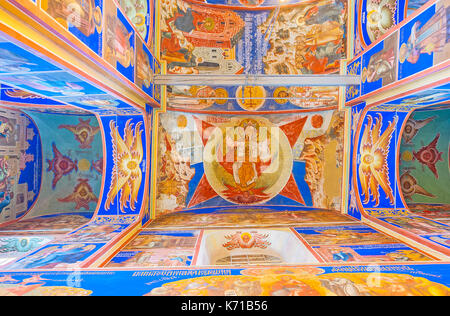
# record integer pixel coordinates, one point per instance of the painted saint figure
(6, 130)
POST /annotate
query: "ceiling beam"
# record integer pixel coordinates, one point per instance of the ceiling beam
(258, 80)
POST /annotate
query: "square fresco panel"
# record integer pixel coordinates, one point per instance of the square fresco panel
(158, 249)
(379, 65)
(18, 246)
(141, 14)
(443, 240)
(144, 68)
(83, 18)
(370, 253)
(118, 40)
(56, 256)
(418, 225)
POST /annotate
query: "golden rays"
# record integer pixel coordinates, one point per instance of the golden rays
(127, 174)
(373, 169)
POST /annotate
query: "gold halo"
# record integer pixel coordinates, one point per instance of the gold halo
(221, 93)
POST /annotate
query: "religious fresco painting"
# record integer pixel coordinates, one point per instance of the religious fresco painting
(370, 253)
(252, 98)
(379, 65)
(410, 48)
(352, 204)
(424, 41)
(141, 15)
(119, 41)
(316, 38)
(158, 249)
(247, 217)
(145, 68)
(126, 169)
(375, 18)
(56, 255)
(13, 247)
(293, 281)
(196, 171)
(114, 184)
(20, 164)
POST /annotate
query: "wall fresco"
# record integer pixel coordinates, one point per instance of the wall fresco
(231, 190)
(141, 14)
(418, 45)
(375, 167)
(126, 165)
(249, 217)
(370, 253)
(375, 18)
(306, 148)
(253, 42)
(56, 256)
(418, 279)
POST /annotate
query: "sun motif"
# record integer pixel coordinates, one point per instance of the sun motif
(127, 174)
(373, 169)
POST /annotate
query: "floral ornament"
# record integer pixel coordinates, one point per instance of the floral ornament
(373, 169)
(127, 174)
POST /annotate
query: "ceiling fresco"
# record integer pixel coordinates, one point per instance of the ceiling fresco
(303, 38)
(225, 190)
